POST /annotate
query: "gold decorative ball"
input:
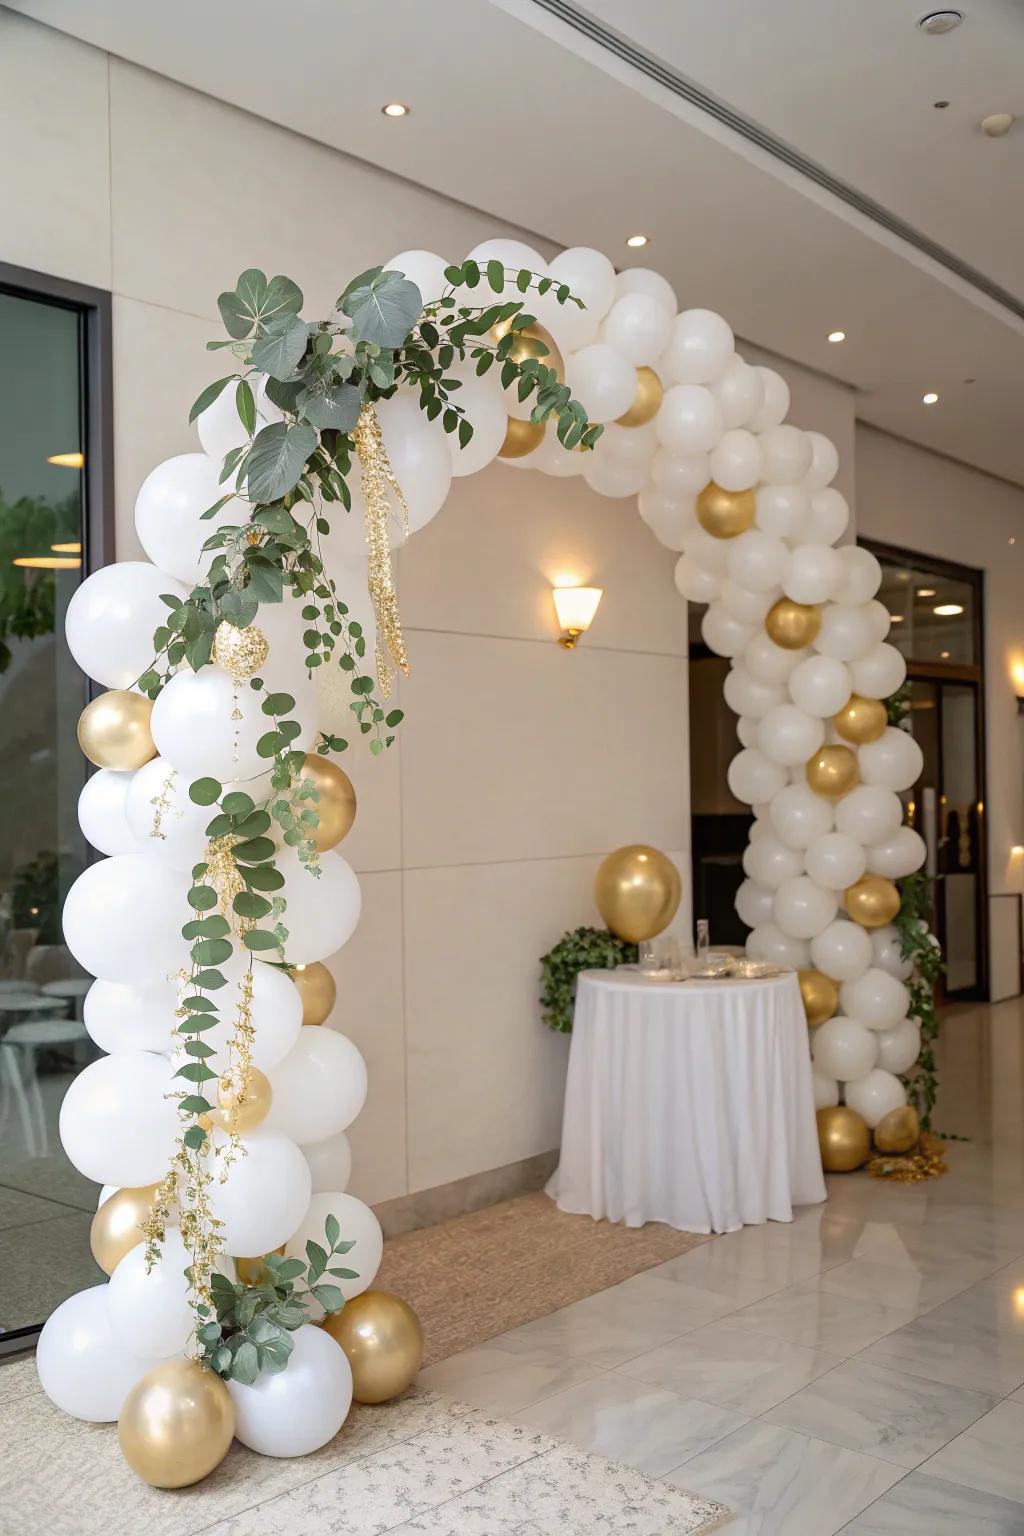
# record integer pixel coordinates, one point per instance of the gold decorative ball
(899, 1130)
(725, 514)
(832, 772)
(844, 1139)
(646, 402)
(793, 625)
(176, 1424)
(117, 1226)
(317, 990)
(521, 438)
(243, 1101)
(531, 341)
(336, 807)
(240, 652)
(820, 996)
(383, 1340)
(872, 901)
(254, 1271)
(637, 890)
(861, 720)
(113, 730)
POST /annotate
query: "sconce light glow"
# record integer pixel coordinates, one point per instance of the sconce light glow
(575, 607)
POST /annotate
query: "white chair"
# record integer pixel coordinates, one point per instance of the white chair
(20, 1080)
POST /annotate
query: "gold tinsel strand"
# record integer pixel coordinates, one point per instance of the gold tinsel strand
(378, 485)
(161, 804)
(223, 875)
(239, 1064)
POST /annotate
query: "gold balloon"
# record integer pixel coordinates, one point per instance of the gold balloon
(176, 1424)
(844, 1139)
(113, 730)
(861, 720)
(317, 990)
(530, 342)
(872, 901)
(521, 438)
(646, 402)
(336, 807)
(899, 1130)
(243, 1102)
(793, 625)
(383, 1340)
(832, 772)
(637, 891)
(820, 996)
(725, 514)
(254, 1271)
(117, 1225)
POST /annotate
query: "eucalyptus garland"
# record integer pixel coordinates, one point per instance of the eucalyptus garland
(581, 950)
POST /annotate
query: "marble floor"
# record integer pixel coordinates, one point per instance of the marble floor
(859, 1370)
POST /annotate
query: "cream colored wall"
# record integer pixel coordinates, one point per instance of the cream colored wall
(519, 764)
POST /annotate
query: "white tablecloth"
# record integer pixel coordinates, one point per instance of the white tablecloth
(688, 1103)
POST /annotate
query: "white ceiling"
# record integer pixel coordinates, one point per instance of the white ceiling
(518, 114)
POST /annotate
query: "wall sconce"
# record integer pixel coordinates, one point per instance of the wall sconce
(575, 607)
(1017, 675)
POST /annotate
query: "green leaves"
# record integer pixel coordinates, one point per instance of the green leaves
(204, 791)
(254, 302)
(208, 396)
(277, 459)
(581, 950)
(383, 309)
(280, 347)
(245, 405)
(335, 407)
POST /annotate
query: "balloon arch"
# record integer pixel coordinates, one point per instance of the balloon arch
(700, 437)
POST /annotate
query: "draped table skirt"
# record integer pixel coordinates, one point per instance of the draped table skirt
(688, 1103)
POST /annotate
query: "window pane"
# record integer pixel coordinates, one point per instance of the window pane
(932, 615)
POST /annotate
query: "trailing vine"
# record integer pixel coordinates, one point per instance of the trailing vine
(581, 950)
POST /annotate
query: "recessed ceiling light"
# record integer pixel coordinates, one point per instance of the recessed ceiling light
(1011, 541)
(395, 109)
(931, 398)
(944, 655)
(936, 23)
(940, 106)
(926, 591)
(948, 610)
(896, 618)
(835, 336)
(636, 241)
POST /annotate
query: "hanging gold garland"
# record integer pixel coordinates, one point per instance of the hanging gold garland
(378, 484)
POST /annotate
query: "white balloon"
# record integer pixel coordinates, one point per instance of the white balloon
(511, 253)
(84, 1365)
(669, 516)
(194, 732)
(164, 819)
(746, 730)
(611, 476)
(680, 475)
(846, 632)
(782, 510)
(820, 685)
(746, 696)
(775, 405)
(878, 672)
(722, 633)
(877, 999)
(756, 559)
(150, 1309)
(116, 1124)
(220, 426)
(843, 1048)
(770, 943)
(900, 1046)
(880, 618)
(101, 812)
(602, 380)
(358, 1226)
(885, 948)
(644, 280)
(330, 1163)
(319, 1088)
(786, 455)
(265, 1194)
(826, 1091)
(590, 276)
(423, 268)
(754, 904)
(874, 1095)
(700, 348)
(296, 1411)
(483, 401)
(799, 816)
(122, 1018)
(749, 607)
(812, 573)
(751, 777)
(322, 911)
(111, 617)
(802, 908)
(835, 861)
(695, 585)
(122, 919)
(419, 456)
(707, 551)
(275, 1014)
(549, 457)
(899, 855)
(769, 862)
(894, 760)
(736, 460)
(830, 514)
(739, 392)
(842, 951)
(770, 663)
(786, 735)
(824, 464)
(170, 507)
(638, 326)
(862, 575)
(689, 421)
(869, 814)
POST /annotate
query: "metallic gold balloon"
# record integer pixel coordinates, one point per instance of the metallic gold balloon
(317, 990)
(646, 402)
(832, 772)
(899, 1130)
(117, 1225)
(820, 996)
(113, 730)
(530, 342)
(844, 1139)
(725, 514)
(383, 1340)
(253, 1271)
(521, 438)
(336, 807)
(793, 625)
(872, 901)
(176, 1424)
(243, 1101)
(861, 720)
(637, 891)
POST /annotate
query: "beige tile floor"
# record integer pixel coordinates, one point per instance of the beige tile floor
(859, 1370)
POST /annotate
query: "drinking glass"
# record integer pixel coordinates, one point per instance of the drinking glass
(703, 939)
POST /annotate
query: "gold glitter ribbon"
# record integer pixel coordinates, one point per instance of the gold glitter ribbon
(378, 485)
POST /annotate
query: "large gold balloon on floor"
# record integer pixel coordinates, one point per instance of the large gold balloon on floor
(530, 342)
(176, 1424)
(113, 730)
(844, 1139)
(646, 402)
(117, 1225)
(872, 901)
(861, 720)
(793, 625)
(820, 996)
(898, 1130)
(832, 772)
(725, 514)
(383, 1340)
(637, 891)
(521, 438)
(317, 990)
(336, 807)
(243, 1102)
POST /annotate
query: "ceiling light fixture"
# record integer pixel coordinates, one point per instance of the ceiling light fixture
(937, 23)
(948, 610)
(48, 562)
(395, 109)
(940, 106)
(636, 241)
(66, 549)
(926, 591)
(67, 460)
(944, 655)
(835, 336)
(931, 398)
(997, 125)
(895, 618)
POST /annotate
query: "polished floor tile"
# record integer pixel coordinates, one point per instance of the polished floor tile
(819, 1319)
(912, 1285)
(989, 1456)
(731, 1367)
(927, 1506)
(950, 1347)
(502, 1380)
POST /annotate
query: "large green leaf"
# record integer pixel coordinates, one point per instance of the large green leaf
(384, 310)
(336, 407)
(254, 302)
(280, 347)
(277, 459)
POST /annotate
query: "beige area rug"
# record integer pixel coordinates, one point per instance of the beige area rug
(479, 1275)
